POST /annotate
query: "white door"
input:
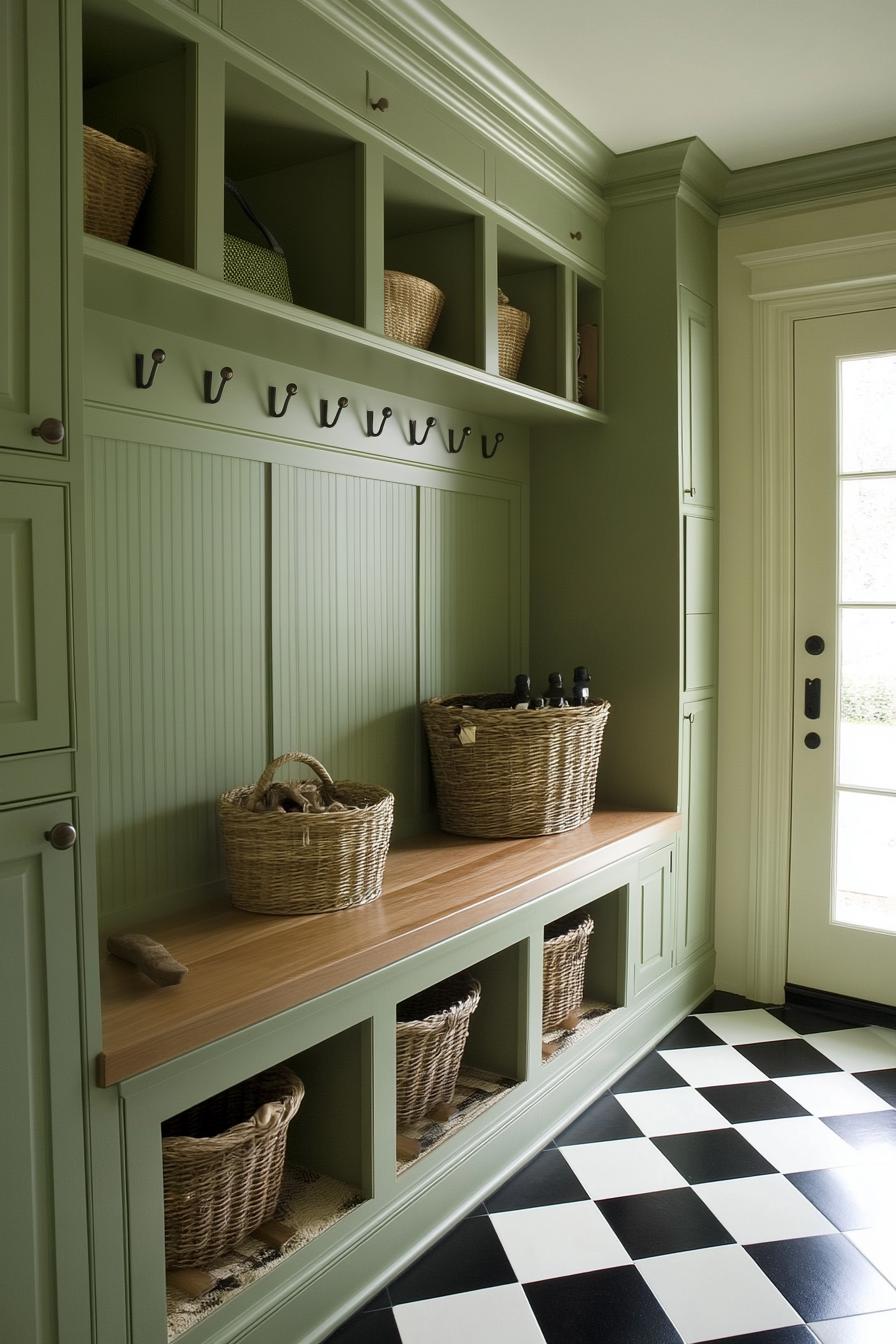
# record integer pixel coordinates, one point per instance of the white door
(843, 855)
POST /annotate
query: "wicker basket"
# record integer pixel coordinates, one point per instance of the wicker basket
(513, 773)
(513, 328)
(565, 950)
(301, 863)
(115, 180)
(431, 1032)
(413, 307)
(222, 1166)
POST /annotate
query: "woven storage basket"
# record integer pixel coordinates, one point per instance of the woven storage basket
(513, 328)
(430, 1035)
(565, 950)
(115, 180)
(413, 307)
(222, 1166)
(301, 863)
(526, 772)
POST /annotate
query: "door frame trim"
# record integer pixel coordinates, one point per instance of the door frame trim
(844, 276)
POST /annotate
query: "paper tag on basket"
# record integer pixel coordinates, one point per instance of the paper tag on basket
(466, 734)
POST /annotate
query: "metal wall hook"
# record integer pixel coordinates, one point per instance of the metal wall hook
(226, 375)
(499, 438)
(415, 442)
(157, 357)
(375, 433)
(464, 435)
(324, 422)
(291, 390)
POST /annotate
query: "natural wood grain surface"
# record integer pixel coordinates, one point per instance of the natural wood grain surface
(245, 968)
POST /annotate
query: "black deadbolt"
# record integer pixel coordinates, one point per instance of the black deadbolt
(815, 644)
(812, 741)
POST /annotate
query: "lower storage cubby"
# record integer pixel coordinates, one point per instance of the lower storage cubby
(460, 1048)
(584, 972)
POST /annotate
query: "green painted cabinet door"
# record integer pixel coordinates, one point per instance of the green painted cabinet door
(652, 920)
(34, 705)
(43, 1270)
(30, 223)
(696, 850)
(697, 399)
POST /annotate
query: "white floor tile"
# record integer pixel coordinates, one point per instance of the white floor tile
(558, 1239)
(878, 1244)
(622, 1167)
(856, 1049)
(886, 1034)
(763, 1208)
(877, 1328)
(832, 1094)
(802, 1144)
(476, 1318)
(672, 1110)
(716, 1292)
(712, 1065)
(747, 1027)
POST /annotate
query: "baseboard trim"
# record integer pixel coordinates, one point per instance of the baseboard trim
(860, 1011)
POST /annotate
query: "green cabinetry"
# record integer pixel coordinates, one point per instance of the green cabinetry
(652, 916)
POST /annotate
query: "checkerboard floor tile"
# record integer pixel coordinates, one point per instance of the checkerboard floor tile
(737, 1186)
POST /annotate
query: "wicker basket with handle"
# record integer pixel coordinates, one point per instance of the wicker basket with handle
(503, 773)
(300, 863)
(513, 328)
(413, 307)
(430, 1035)
(222, 1166)
(115, 180)
(565, 949)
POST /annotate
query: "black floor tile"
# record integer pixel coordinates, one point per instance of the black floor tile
(849, 1197)
(603, 1120)
(467, 1258)
(378, 1303)
(687, 1034)
(648, 1074)
(807, 1020)
(547, 1179)
(788, 1334)
(663, 1223)
(368, 1327)
(787, 1059)
(872, 1131)
(823, 1278)
(713, 1155)
(742, 1102)
(882, 1082)
(720, 1001)
(614, 1306)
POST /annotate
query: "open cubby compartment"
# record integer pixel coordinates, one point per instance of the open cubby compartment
(589, 326)
(326, 1174)
(494, 1056)
(430, 234)
(302, 178)
(534, 283)
(140, 88)
(604, 980)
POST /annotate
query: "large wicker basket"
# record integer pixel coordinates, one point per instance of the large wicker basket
(413, 307)
(430, 1035)
(222, 1166)
(565, 949)
(513, 328)
(301, 863)
(115, 180)
(502, 772)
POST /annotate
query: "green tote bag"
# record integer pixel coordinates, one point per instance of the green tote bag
(251, 265)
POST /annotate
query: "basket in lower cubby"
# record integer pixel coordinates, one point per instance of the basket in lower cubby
(581, 981)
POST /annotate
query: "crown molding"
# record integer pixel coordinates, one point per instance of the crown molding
(686, 169)
(812, 179)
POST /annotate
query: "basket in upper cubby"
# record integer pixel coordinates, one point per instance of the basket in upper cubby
(501, 772)
(116, 177)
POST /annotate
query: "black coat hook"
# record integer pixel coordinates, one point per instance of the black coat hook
(499, 438)
(291, 390)
(328, 424)
(226, 375)
(157, 357)
(464, 435)
(375, 433)
(416, 443)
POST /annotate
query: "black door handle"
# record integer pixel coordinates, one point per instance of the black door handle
(813, 698)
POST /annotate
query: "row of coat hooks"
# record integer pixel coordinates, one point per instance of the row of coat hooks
(214, 394)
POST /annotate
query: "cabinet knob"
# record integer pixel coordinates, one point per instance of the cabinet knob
(51, 431)
(62, 836)
(380, 105)
(577, 236)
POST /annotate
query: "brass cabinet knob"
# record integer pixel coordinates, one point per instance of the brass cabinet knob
(62, 836)
(51, 431)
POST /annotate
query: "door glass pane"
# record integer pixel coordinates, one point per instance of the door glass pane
(867, 755)
(868, 413)
(868, 540)
(866, 860)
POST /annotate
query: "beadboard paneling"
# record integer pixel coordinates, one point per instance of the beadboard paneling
(344, 635)
(178, 600)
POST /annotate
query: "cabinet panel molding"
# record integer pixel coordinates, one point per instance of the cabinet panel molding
(697, 399)
(652, 920)
(697, 848)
